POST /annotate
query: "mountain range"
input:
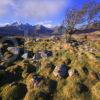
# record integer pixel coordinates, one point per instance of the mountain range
(19, 29)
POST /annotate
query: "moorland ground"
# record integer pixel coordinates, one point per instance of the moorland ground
(66, 71)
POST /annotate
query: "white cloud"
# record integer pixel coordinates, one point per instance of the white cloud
(38, 9)
(4, 4)
(3, 24)
(35, 9)
(48, 24)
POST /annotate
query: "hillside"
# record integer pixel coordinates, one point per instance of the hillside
(19, 29)
(51, 69)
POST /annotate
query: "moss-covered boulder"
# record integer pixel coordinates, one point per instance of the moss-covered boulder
(14, 92)
(37, 95)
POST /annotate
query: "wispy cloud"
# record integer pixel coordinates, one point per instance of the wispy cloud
(39, 8)
(48, 24)
(4, 6)
(32, 8)
(3, 24)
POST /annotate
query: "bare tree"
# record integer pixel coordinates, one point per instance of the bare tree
(93, 11)
(72, 19)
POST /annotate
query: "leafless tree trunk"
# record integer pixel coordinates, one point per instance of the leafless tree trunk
(87, 13)
(72, 18)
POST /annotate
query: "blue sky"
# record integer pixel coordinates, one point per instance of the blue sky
(45, 12)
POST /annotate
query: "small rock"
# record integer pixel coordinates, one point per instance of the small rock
(37, 56)
(52, 86)
(43, 54)
(85, 70)
(60, 71)
(83, 88)
(14, 83)
(46, 53)
(73, 72)
(13, 50)
(37, 80)
(25, 56)
(2, 67)
(34, 81)
(94, 75)
(99, 76)
(37, 39)
(1, 56)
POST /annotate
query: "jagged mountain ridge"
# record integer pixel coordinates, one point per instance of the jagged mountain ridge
(22, 29)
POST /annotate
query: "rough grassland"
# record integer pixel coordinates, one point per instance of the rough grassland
(84, 57)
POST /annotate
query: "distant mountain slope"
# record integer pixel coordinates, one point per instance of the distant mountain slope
(22, 29)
